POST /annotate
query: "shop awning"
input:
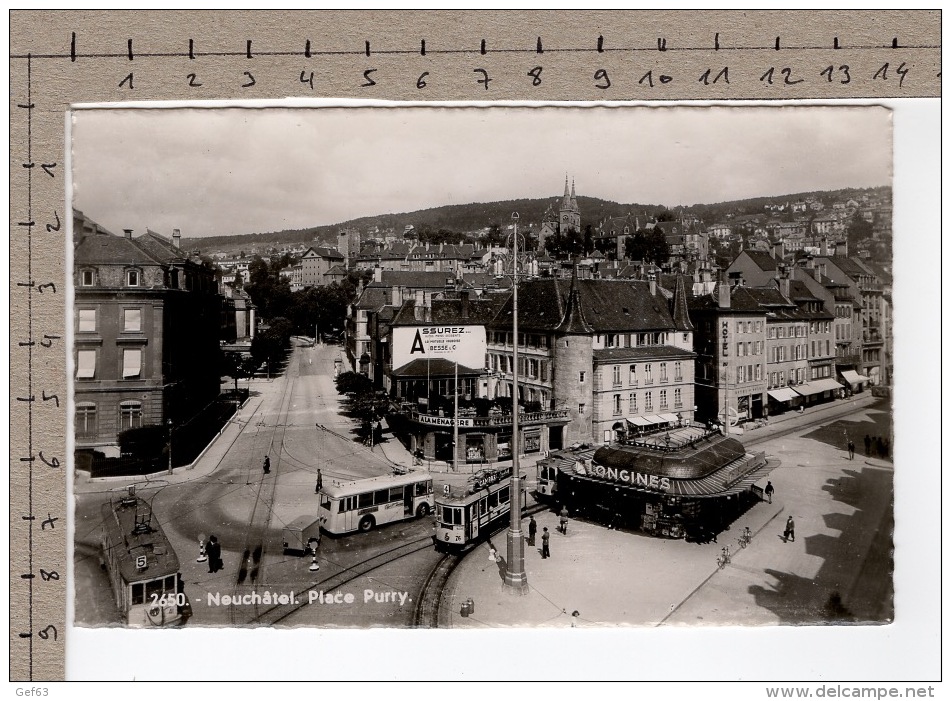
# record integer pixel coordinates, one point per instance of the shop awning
(817, 387)
(672, 418)
(639, 421)
(853, 378)
(782, 394)
(652, 418)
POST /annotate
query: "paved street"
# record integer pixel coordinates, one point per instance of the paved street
(842, 509)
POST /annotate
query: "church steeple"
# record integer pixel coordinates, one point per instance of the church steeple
(569, 214)
(574, 201)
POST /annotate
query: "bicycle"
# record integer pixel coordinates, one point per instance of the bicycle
(746, 538)
(724, 559)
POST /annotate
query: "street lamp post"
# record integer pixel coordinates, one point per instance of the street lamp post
(170, 446)
(515, 579)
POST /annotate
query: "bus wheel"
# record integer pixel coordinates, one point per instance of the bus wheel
(366, 523)
(423, 510)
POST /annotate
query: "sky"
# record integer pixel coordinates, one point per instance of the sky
(245, 170)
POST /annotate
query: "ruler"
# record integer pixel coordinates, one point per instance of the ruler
(58, 59)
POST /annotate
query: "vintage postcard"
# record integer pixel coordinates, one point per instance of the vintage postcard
(474, 368)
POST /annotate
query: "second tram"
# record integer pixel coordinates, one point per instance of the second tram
(466, 516)
(143, 568)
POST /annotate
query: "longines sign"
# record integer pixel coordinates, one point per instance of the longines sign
(462, 344)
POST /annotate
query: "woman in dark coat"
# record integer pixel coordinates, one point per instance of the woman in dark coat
(213, 550)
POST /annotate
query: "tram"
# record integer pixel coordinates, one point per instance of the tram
(549, 468)
(463, 517)
(142, 565)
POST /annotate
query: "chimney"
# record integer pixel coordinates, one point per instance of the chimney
(128, 233)
(842, 248)
(395, 296)
(177, 237)
(418, 305)
(824, 247)
(723, 295)
(817, 273)
(441, 244)
(784, 286)
(377, 274)
(652, 283)
(428, 306)
(779, 250)
(464, 297)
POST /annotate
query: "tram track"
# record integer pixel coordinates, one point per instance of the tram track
(254, 547)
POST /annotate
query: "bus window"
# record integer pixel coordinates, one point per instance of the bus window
(365, 500)
(138, 593)
(504, 495)
(493, 500)
(396, 493)
(382, 496)
(423, 488)
(324, 502)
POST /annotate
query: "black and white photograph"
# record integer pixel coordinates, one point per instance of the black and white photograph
(534, 367)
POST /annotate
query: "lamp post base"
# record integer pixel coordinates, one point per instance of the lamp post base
(515, 580)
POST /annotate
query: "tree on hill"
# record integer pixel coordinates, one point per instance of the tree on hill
(648, 245)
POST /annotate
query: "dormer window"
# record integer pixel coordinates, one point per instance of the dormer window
(87, 278)
(132, 278)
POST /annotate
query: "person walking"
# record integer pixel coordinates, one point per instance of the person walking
(320, 482)
(532, 529)
(880, 447)
(545, 536)
(851, 450)
(267, 464)
(868, 444)
(563, 520)
(790, 532)
(769, 491)
(213, 551)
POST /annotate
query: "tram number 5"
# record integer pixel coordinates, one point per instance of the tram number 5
(168, 600)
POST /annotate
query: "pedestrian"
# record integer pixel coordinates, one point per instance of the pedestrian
(532, 529)
(563, 520)
(880, 447)
(213, 551)
(267, 464)
(801, 409)
(545, 536)
(868, 444)
(320, 482)
(769, 491)
(790, 532)
(851, 450)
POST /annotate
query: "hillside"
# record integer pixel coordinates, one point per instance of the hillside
(461, 218)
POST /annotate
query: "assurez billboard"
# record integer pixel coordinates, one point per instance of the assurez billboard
(462, 344)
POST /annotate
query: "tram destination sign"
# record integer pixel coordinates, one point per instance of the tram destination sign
(461, 344)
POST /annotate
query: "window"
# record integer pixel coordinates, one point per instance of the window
(632, 403)
(663, 372)
(663, 399)
(739, 349)
(686, 338)
(365, 500)
(617, 375)
(131, 319)
(581, 409)
(86, 365)
(771, 332)
(741, 374)
(581, 376)
(544, 369)
(678, 400)
(617, 404)
(739, 327)
(758, 371)
(130, 415)
(132, 278)
(632, 375)
(131, 362)
(648, 402)
(87, 319)
(647, 371)
(749, 327)
(86, 420)
(533, 368)
(87, 278)
(381, 496)
(678, 371)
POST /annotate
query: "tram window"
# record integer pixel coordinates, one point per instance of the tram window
(138, 593)
(504, 495)
(365, 500)
(483, 506)
(170, 583)
(396, 493)
(381, 497)
(153, 587)
(493, 500)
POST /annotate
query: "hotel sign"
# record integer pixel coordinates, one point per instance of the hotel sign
(442, 420)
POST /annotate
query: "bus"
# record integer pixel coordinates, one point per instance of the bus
(364, 504)
(142, 566)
